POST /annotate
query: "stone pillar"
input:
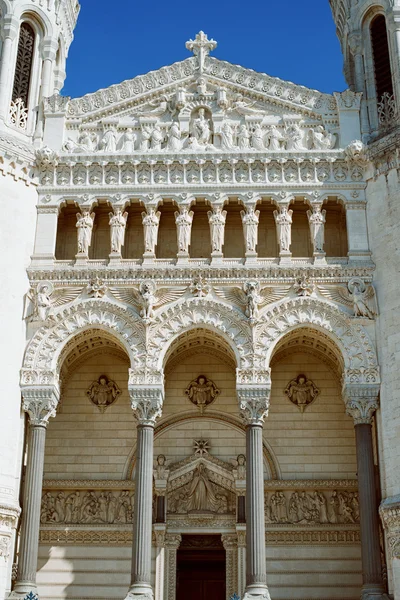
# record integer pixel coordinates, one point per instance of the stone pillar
(390, 515)
(10, 30)
(254, 404)
(230, 544)
(172, 543)
(357, 231)
(361, 404)
(159, 532)
(241, 559)
(356, 46)
(146, 401)
(46, 235)
(40, 404)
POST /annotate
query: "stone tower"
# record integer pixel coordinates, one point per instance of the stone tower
(35, 38)
(369, 33)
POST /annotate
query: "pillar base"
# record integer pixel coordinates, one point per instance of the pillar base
(373, 592)
(140, 591)
(24, 591)
(256, 593)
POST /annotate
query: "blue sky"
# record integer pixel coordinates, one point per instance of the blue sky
(291, 39)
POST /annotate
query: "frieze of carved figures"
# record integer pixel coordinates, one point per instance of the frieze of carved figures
(103, 392)
(147, 297)
(302, 392)
(312, 507)
(357, 295)
(251, 297)
(80, 507)
(44, 299)
(202, 392)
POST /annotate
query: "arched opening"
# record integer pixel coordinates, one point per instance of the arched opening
(134, 237)
(301, 238)
(200, 246)
(21, 91)
(101, 245)
(335, 228)
(66, 243)
(267, 239)
(167, 245)
(381, 57)
(234, 240)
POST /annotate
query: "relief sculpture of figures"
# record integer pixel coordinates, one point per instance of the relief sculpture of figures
(201, 130)
(151, 222)
(84, 224)
(184, 220)
(94, 507)
(302, 392)
(226, 136)
(174, 143)
(319, 139)
(217, 220)
(108, 142)
(257, 138)
(312, 507)
(283, 220)
(103, 392)
(250, 220)
(202, 392)
(357, 295)
(275, 138)
(316, 220)
(243, 138)
(128, 145)
(117, 229)
(294, 138)
(44, 299)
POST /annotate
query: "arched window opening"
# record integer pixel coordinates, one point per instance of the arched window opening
(380, 52)
(335, 229)
(101, 242)
(167, 245)
(22, 77)
(200, 246)
(134, 239)
(234, 239)
(301, 238)
(66, 243)
(267, 239)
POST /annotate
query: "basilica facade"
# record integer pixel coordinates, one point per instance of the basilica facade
(201, 346)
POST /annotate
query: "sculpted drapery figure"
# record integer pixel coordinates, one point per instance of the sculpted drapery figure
(202, 391)
(174, 143)
(301, 391)
(274, 138)
(201, 129)
(319, 139)
(316, 220)
(226, 136)
(108, 142)
(117, 229)
(42, 301)
(243, 138)
(129, 142)
(151, 223)
(217, 220)
(250, 220)
(294, 138)
(103, 392)
(201, 494)
(84, 224)
(184, 220)
(157, 138)
(283, 220)
(257, 138)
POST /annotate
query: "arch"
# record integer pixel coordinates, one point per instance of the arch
(39, 20)
(381, 56)
(270, 460)
(207, 314)
(46, 346)
(22, 83)
(350, 338)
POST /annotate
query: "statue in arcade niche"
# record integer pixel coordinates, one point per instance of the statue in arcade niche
(201, 495)
(117, 224)
(200, 129)
(202, 392)
(103, 393)
(302, 392)
(84, 225)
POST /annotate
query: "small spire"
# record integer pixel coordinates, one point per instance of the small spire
(201, 47)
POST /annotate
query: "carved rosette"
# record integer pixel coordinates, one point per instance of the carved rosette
(253, 403)
(390, 515)
(361, 402)
(40, 403)
(146, 403)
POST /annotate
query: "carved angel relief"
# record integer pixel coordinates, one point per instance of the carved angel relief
(302, 392)
(147, 298)
(103, 392)
(251, 298)
(357, 295)
(42, 301)
(202, 392)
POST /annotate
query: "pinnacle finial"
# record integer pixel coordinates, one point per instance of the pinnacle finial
(201, 46)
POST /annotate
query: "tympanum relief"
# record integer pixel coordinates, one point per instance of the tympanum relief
(202, 392)
(103, 392)
(302, 392)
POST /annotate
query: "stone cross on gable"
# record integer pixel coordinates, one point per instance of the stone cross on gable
(201, 46)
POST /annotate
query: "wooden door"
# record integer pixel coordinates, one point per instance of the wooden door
(201, 569)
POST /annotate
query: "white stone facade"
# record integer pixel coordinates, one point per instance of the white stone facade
(200, 290)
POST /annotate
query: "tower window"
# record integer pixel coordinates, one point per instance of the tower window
(380, 50)
(23, 68)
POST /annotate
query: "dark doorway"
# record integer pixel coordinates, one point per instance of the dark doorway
(201, 568)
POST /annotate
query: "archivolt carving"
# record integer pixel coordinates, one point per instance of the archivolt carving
(207, 314)
(352, 340)
(45, 348)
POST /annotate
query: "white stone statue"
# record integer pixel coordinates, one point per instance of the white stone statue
(294, 138)
(316, 220)
(284, 220)
(319, 139)
(157, 108)
(184, 220)
(157, 138)
(226, 136)
(240, 464)
(84, 224)
(274, 138)
(250, 220)
(357, 295)
(151, 223)
(301, 391)
(87, 141)
(45, 298)
(243, 137)
(201, 129)
(201, 496)
(129, 142)
(43, 301)
(244, 108)
(257, 138)
(161, 473)
(217, 220)
(117, 229)
(108, 143)
(145, 136)
(174, 143)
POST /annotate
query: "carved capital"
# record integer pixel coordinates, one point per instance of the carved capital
(40, 402)
(253, 403)
(147, 403)
(389, 511)
(159, 535)
(230, 541)
(173, 540)
(348, 100)
(361, 402)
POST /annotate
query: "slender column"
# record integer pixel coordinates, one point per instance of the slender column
(172, 543)
(361, 404)
(10, 33)
(230, 544)
(241, 559)
(254, 405)
(40, 404)
(159, 531)
(146, 402)
(390, 515)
